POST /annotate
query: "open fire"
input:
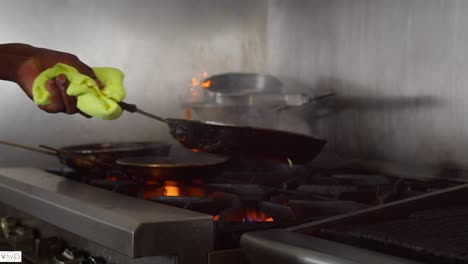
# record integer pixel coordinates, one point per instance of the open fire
(194, 91)
(206, 84)
(172, 189)
(250, 216)
(195, 85)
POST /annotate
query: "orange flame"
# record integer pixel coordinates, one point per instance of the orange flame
(151, 193)
(188, 113)
(171, 188)
(216, 218)
(112, 178)
(195, 192)
(195, 83)
(171, 191)
(252, 215)
(206, 84)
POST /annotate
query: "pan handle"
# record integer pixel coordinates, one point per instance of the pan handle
(128, 107)
(78, 157)
(134, 109)
(308, 100)
(52, 153)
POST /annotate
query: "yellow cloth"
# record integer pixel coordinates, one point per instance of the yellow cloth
(99, 103)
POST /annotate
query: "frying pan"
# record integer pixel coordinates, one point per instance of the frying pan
(230, 139)
(94, 158)
(251, 90)
(177, 165)
(160, 164)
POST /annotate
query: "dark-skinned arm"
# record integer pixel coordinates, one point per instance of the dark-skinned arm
(22, 63)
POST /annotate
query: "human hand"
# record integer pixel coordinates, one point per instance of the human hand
(34, 60)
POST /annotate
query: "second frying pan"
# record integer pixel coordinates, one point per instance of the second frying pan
(177, 165)
(96, 158)
(138, 160)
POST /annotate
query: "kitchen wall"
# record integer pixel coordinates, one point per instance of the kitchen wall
(159, 45)
(400, 68)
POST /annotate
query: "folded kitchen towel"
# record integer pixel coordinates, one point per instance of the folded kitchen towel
(91, 100)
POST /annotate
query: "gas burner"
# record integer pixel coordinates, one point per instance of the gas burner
(248, 197)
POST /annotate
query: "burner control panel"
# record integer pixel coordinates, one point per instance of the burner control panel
(41, 250)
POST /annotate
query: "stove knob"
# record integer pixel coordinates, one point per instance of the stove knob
(7, 224)
(94, 260)
(73, 256)
(46, 248)
(22, 239)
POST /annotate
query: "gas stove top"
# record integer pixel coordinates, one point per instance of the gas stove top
(423, 229)
(166, 219)
(258, 195)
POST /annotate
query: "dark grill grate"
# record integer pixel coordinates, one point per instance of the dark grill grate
(433, 236)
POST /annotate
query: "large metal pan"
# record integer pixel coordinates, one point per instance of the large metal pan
(252, 110)
(236, 84)
(250, 89)
(230, 139)
(93, 158)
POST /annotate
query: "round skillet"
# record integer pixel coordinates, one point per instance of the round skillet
(108, 152)
(98, 157)
(177, 165)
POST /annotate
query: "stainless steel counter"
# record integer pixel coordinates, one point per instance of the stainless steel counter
(133, 227)
(281, 246)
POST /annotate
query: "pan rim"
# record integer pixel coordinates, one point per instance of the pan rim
(232, 125)
(275, 88)
(137, 145)
(220, 160)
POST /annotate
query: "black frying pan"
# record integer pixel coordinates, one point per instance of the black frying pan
(159, 163)
(231, 139)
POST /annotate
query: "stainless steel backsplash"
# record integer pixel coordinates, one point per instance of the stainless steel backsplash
(159, 45)
(400, 68)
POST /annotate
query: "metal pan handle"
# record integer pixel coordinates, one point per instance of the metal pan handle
(62, 153)
(134, 109)
(306, 100)
(48, 152)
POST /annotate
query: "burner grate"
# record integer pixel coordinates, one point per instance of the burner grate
(251, 196)
(433, 236)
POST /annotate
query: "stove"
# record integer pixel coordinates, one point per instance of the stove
(420, 229)
(113, 218)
